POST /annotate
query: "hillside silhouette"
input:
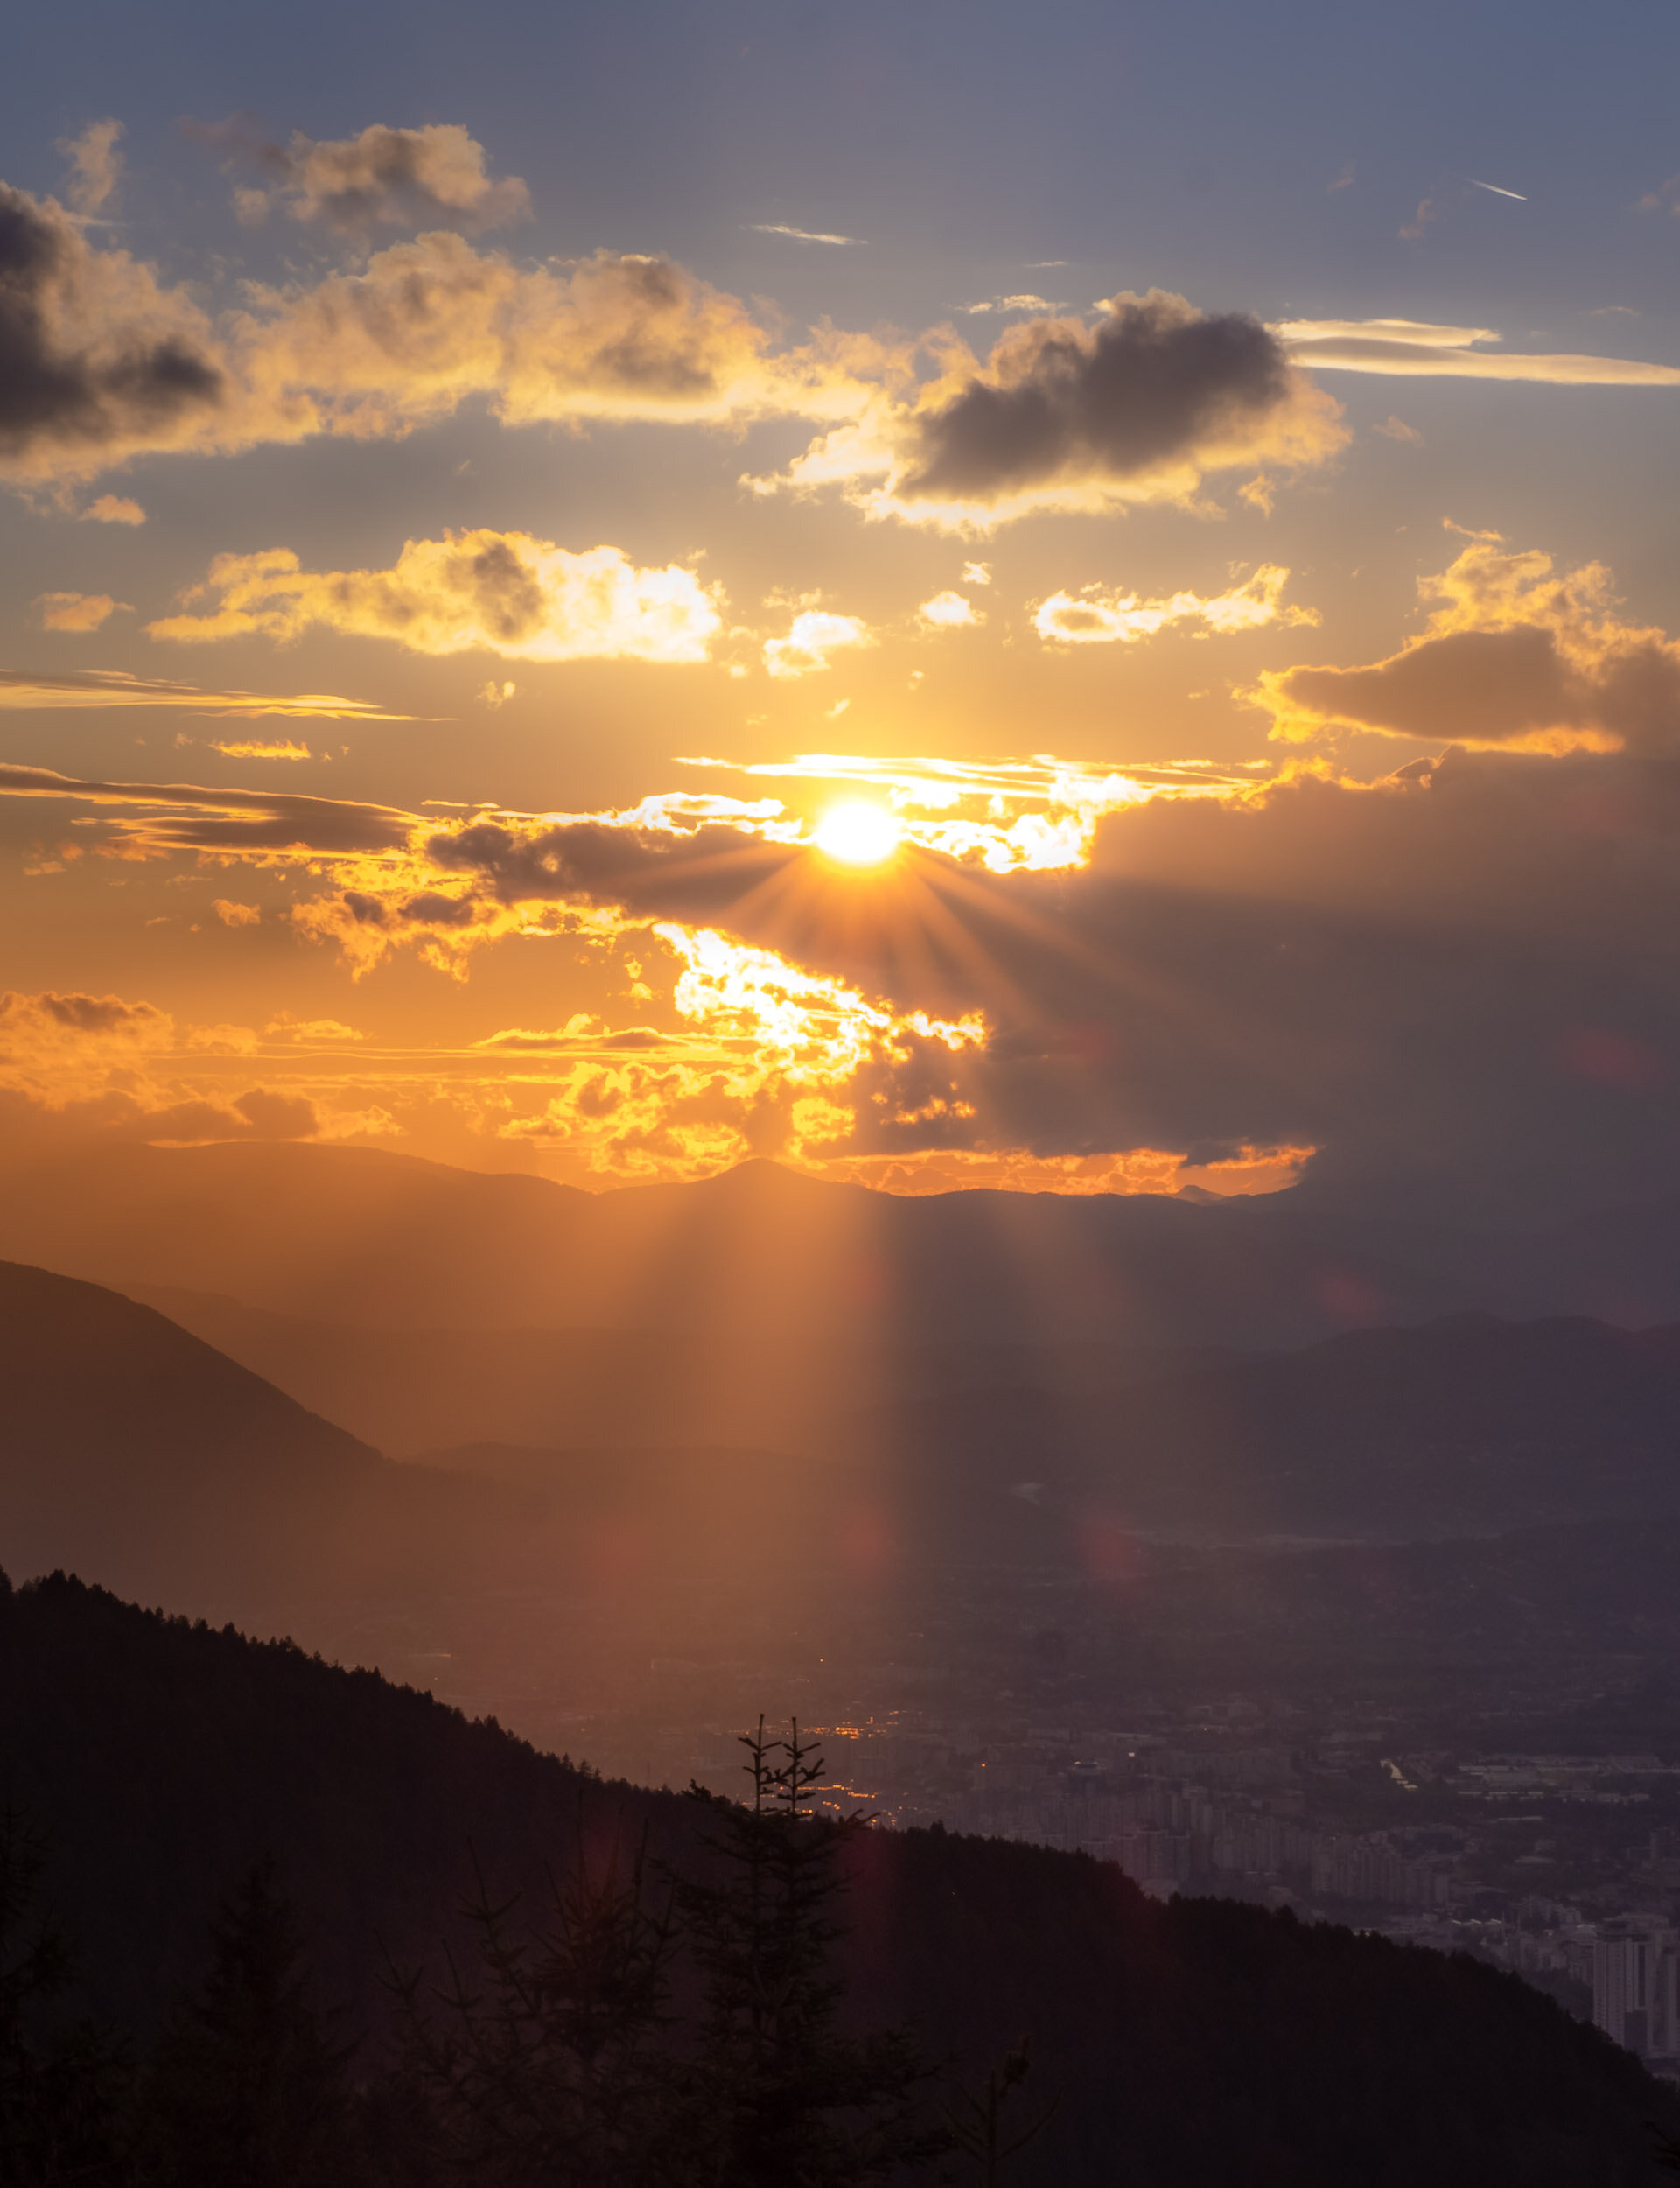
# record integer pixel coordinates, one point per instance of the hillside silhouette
(1197, 2043)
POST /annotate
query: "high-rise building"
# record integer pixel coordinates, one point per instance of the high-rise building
(1633, 1992)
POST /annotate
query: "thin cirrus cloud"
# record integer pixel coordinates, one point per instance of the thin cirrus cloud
(260, 748)
(502, 592)
(1094, 617)
(1023, 303)
(1135, 409)
(1416, 348)
(1518, 656)
(800, 235)
(121, 687)
(157, 818)
(382, 177)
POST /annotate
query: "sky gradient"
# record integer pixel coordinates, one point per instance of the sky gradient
(1202, 479)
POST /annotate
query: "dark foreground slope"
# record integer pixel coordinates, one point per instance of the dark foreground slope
(1196, 2044)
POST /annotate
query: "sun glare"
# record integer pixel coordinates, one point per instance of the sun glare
(857, 834)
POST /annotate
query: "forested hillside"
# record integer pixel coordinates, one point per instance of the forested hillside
(1195, 2043)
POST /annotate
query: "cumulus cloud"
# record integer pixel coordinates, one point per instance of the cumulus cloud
(1516, 655)
(113, 508)
(948, 610)
(119, 687)
(502, 592)
(1136, 408)
(74, 611)
(1094, 617)
(812, 637)
(1151, 385)
(430, 176)
(95, 165)
(96, 358)
(232, 915)
(103, 361)
(1411, 348)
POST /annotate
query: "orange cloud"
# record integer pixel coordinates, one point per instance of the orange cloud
(119, 687)
(74, 611)
(1093, 617)
(502, 592)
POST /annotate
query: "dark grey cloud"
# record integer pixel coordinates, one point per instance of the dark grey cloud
(1153, 382)
(64, 390)
(651, 872)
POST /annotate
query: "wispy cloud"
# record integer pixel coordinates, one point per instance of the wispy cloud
(1407, 347)
(1026, 302)
(800, 235)
(95, 165)
(119, 687)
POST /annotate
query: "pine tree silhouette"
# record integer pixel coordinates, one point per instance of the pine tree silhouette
(777, 2092)
(248, 2086)
(545, 2075)
(65, 2093)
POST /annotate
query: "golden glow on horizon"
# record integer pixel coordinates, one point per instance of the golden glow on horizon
(857, 834)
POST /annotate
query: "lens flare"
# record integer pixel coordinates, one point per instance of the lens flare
(857, 834)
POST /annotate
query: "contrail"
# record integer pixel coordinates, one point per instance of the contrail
(1497, 192)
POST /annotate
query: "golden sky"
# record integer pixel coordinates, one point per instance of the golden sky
(610, 677)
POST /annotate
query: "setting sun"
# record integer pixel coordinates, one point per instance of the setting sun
(857, 834)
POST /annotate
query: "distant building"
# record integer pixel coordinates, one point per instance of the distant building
(1633, 1992)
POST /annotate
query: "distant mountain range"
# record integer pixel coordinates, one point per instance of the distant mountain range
(133, 1451)
(139, 1454)
(760, 1254)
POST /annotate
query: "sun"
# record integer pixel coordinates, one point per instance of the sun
(857, 834)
